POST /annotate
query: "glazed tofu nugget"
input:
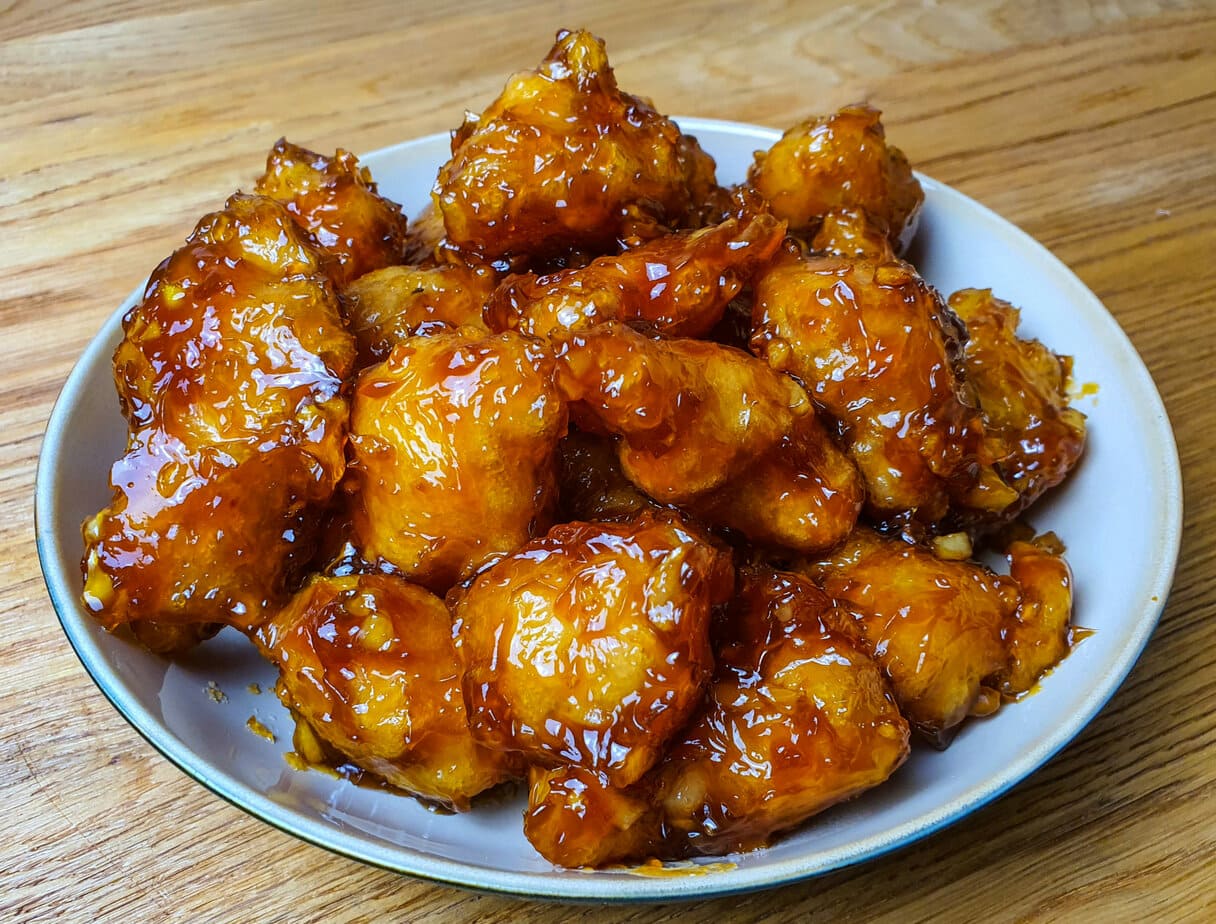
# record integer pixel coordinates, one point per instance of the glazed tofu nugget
(367, 663)
(590, 646)
(936, 627)
(576, 818)
(850, 233)
(230, 376)
(798, 718)
(1029, 429)
(841, 161)
(876, 349)
(564, 160)
(1041, 634)
(690, 414)
(388, 305)
(335, 200)
(454, 449)
(678, 285)
(803, 495)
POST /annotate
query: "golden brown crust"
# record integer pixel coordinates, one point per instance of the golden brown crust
(563, 159)
(388, 305)
(677, 285)
(229, 374)
(873, 344)
(936, 627)
(1040, 634)
(798, 718)
(803, 495)
(453, 445)
(690, 414)
(590, 646)
(575, 818)
(579, 262)
(1030, 432)
(840, 161)
(367, 662)
(335, 200)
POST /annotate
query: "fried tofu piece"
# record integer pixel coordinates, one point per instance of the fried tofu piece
(853, 234)
(230, 377)
(803, 495)
(576, 818)
(590, 646)
(563, 159)
(875, 347)
(1041, 634)
(678, 285)
(840, 161)
(454, 453)
(1030, 431)
(798, 718)
(335, 200)
(388, 305)
(367, 662)
(690, 414)
(936, 627)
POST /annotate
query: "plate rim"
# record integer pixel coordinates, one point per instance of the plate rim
(588, 887)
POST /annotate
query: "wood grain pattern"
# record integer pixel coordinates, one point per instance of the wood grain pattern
(1091, 125)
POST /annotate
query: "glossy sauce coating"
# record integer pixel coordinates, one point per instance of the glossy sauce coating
(335, 200)
(1039, 636)
(803, 495)
(937, 628)
(229, 374)
(798, 718)
(678, 285)
(453, 444)
(590, 646)
(563, 159)
(388, 305)
(367, 662)
(841, 161)
(873, 343)
(657, 712)
(1021, 386)
(690, 414)
(851, 233)
(576, 818)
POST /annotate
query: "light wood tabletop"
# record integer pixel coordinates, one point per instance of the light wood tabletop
(1090, 125)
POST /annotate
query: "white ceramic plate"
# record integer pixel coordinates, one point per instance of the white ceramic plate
(1120, 515)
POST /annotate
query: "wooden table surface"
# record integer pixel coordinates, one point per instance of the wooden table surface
(1091, 125)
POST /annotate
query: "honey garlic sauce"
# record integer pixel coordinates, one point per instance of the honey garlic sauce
(335, 200)
(229, 373)
(590, 646)
(798, 718)
(678, 285)
(873, 344)
(366, 663)
(454, 448)
(563, 159)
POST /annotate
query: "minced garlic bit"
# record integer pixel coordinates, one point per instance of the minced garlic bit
(952, 547)
(217, 695)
